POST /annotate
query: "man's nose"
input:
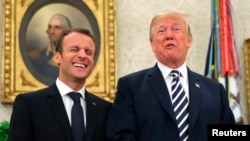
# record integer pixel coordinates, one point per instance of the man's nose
(51, 30)
(81, 53)
(169, 35)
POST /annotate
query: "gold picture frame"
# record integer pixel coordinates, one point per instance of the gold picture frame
(247, 65)
(18, 75)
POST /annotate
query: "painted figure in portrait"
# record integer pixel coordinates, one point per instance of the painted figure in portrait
(40, 32)
(43, 58)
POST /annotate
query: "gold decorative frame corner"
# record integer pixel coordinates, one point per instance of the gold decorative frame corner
(247, 65)
(17, 79)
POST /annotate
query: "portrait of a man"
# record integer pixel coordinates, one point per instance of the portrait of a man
(28, 43)
(37, 43)
(43, 58)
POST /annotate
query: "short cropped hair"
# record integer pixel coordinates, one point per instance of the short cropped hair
(78, 30)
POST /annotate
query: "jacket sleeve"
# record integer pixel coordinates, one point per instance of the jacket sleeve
(20, 122)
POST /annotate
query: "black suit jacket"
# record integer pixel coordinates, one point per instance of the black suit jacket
(142, 109)
(41, 116)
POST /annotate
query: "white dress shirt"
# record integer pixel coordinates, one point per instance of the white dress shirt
(68, 102)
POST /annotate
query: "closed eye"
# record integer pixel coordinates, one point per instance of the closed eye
(74, 49)
(89, 52)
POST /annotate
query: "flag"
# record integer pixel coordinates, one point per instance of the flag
(222, 59)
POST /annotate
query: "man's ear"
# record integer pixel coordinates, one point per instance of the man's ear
(57, 57)
(152, 45)
(190, 40)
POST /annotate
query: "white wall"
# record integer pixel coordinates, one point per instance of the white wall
(133, 48)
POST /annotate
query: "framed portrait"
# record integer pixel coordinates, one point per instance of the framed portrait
(27, 62)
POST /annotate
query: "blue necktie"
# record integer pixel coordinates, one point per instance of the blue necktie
(180, 105)
(77, 118)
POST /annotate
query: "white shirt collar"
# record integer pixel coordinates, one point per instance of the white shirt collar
(165, 70)
(64, 89)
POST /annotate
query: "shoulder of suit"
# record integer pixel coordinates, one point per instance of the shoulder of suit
(95, 98)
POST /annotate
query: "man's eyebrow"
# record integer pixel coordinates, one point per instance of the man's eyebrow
(58, 26)
(174, 24)
(51, 25)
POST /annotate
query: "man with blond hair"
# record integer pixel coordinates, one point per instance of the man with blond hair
(167, 102)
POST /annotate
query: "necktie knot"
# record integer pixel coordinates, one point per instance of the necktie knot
(75, 96)
(175, 73)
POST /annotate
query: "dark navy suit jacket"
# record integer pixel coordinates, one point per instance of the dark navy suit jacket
(142, 110)
(41, 116)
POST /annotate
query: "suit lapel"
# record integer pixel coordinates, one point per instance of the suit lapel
(156, 81)
(195, 97)
(91, 115)
(57, 106)
(161, 92)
